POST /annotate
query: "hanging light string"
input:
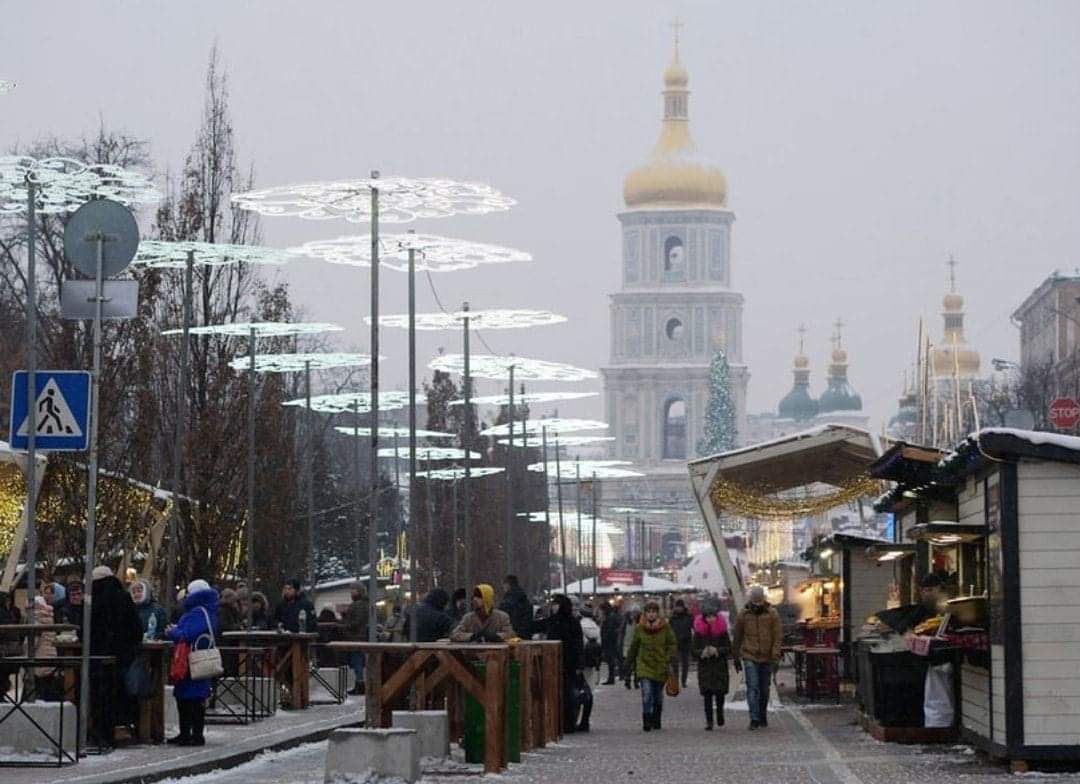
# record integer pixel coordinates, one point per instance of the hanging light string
(749, 501)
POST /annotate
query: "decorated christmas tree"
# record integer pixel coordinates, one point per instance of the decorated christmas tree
(720, 433)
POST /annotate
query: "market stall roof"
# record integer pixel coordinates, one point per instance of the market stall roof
(830, 454)
(649, 584)
(907, 463)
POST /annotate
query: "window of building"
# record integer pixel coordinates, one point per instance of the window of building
(675, 429)
(674, 256)
(674, 329)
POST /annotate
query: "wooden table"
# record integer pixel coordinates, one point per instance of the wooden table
(150, 718)
(291, 666)
(392, 668)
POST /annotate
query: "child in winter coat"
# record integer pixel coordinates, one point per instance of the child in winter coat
(711, 646)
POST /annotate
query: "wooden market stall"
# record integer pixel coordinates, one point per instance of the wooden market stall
(1009, 554)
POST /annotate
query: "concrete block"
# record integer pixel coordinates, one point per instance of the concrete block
(19, 734)
(432, 730)
(319, 693)
(363, 754)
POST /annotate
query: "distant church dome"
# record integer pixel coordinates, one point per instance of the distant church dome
(798, 404)
(839, 395)
(673, 176)
(954, 358)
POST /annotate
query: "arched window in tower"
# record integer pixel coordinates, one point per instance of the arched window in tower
(674, 329)
(674, 257)
(675, 429)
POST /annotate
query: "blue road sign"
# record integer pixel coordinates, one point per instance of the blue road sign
(61, 419)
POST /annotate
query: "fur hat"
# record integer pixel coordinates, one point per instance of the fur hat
(100, 572)
(197, 585)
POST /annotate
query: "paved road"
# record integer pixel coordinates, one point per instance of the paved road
(812, 744)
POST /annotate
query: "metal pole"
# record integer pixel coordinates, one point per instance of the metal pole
(357, 554)
(577, 553)
(547, 510)
(432, 581)
(413, 538)
(466, 533)
(251, 477)
(629, 540)
(562, 524)
(91, 496)
(510, 478)
(454, 534)
(310, 478)
(178, 445)
(373, 500)
(31, 402)
(595, 576)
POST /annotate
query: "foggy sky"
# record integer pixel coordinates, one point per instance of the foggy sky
(863, 143)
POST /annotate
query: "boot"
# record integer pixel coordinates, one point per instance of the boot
(708, 713)
(184, 714)
(198, 721)
(656, 718)
(719, 710)
(646, 721)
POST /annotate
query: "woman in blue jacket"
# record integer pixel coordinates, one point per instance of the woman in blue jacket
(200, 609)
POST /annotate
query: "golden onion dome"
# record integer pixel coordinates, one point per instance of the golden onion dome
(953, 303)
(839, 356)
(673, 175)
(802, 362)
(953, 360)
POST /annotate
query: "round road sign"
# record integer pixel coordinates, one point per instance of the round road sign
(105, 220)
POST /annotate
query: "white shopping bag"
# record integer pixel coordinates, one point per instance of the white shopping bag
(938, 708)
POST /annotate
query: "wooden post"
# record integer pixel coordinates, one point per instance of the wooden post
(495, 712)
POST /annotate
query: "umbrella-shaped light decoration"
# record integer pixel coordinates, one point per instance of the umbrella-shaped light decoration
(355, 402)
(376, 200)
(599, 469)
(64, 184)
(534, 441)
(438, 453)
(261, 329)
(533, 517)
(174, 255)
(454, 474)
(436, 254)
(552, 425)
(298, 363)
(6, 86)
(392, 432)
(492, 366)
(478, 319)
(636, 510)
(524, 398)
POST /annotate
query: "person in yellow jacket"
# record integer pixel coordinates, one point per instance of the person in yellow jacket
(484, 623)
(758, 634)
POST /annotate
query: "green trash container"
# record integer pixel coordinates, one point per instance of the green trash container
(474, 718)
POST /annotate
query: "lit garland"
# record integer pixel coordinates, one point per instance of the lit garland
(733, 498)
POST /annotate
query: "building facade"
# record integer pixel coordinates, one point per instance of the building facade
(676, 306)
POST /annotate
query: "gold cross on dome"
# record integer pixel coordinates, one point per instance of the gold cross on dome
(952, 264)
(838, 336)
(675, 26)
(802, 338)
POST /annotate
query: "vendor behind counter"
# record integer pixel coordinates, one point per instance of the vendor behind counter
(921, 616)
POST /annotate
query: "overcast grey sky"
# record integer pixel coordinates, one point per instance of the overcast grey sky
(863, 143)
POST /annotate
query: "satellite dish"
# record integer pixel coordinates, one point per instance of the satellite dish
(101, 218)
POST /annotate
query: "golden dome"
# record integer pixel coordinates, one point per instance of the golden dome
(953, 303)
(673, 176)
(956, 360)
(801, 362)
(839, 356)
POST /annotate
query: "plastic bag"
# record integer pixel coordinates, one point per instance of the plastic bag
(179, 668)
(138, 681)
(938, 708)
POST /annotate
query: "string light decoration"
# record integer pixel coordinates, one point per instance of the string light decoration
(358, 402)
(552, 425)
(534, 442)
(173, 255)
(496, 367)
(263, 329)
(433, 253)
(524, 398)
(296, 363)
(601, 469)
(65, 184)
(734, 498)
(635, 510)
(6, 86)
(478, 319)
(454, 474)
(533, 517)
(401, 199)
(391, 432)
(438, 453)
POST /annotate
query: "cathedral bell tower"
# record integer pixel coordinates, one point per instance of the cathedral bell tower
(676, 306)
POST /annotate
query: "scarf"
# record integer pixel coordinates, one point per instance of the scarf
(718, 627)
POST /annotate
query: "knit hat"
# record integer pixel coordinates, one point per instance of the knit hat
(101, 571)
(197, 585)
(709, 606)
(757, 593)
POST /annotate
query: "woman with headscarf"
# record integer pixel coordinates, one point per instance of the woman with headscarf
(151, 614)
(711, 646)
(195, 627)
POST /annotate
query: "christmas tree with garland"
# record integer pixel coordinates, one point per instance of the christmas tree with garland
(720, 432)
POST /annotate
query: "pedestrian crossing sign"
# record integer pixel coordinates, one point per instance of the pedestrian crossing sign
(61, 415)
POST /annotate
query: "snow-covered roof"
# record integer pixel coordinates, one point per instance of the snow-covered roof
(1034, 437)
(649, 584)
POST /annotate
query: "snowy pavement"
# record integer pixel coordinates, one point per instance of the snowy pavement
(816, 744)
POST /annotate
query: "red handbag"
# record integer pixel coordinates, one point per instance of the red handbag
(178, 670)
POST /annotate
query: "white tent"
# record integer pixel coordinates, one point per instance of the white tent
(649, 584)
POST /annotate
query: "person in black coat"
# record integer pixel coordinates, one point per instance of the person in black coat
(516, 604)
(561, 625)
(432, 621)
(682, 623)
(610, 642)
(294, 602)
(116, 631)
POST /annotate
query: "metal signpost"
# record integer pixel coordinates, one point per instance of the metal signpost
(100, 240)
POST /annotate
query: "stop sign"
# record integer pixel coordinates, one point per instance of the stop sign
(1064, 413)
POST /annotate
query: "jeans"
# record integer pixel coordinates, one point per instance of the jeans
(758, 676)
(356, 663)
(652, 696)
